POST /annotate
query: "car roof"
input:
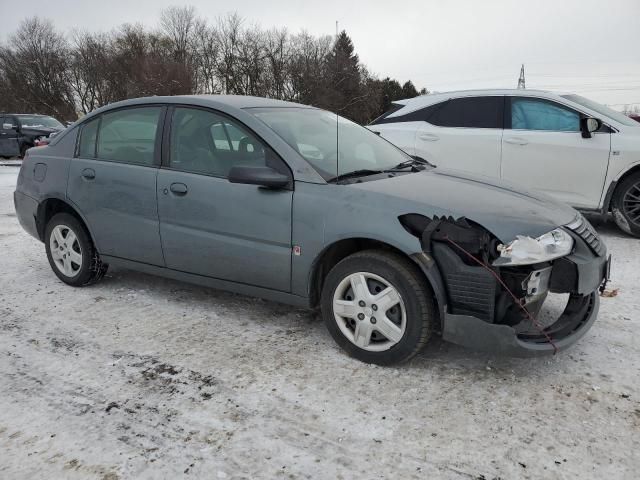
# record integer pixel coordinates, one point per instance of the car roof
(412, 104)
(424, 100)
(234, 101)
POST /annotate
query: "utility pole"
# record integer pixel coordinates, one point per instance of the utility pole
(521, 79)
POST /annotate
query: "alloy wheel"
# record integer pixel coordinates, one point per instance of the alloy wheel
(631, 203)
(65, 250)
(369, 311)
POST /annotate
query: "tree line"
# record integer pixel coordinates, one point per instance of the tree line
(43, 70)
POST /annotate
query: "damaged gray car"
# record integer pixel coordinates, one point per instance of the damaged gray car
(294, 204)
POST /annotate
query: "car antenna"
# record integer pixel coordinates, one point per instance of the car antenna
(337, 122)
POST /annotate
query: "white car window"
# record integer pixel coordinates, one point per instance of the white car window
(535, 114)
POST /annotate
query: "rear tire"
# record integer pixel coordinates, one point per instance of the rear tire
(371, 284)
(625, 205)
(71, 253)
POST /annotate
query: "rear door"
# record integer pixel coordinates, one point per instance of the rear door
(112, 181)
(464, 134)
(211, 227)
(543, 149)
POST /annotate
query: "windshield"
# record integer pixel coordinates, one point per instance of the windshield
(37, 121)
(602, 110)
(312, 133)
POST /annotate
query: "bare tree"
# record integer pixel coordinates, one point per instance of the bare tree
(89, 69)
(179, 25)
(277, 53)
(308, 68)
(229, 32)
(206, 59)
(41, 71)
(35, 69)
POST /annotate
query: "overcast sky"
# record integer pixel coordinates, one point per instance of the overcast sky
(591, 47)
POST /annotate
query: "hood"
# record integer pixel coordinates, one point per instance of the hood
(504, 209)
(40, 130)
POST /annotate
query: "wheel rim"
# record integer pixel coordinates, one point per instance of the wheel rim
(369, 311)
(631, 203)
(65, 250)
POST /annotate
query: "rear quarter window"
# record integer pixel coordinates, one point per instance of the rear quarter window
(87, 143)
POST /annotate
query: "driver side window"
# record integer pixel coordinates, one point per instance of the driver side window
(538, 114)
(208, 143)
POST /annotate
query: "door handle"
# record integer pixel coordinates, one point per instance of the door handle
(179, 188)
(428, 137)
(89, 173)
(516, 140)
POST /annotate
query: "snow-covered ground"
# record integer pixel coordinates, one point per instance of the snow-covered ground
(141, 377)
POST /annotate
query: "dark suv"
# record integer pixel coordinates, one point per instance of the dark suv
(18, 132)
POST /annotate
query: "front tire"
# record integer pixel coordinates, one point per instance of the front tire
(377, 307)
(70, 251)
(625, 205)
(23, 151)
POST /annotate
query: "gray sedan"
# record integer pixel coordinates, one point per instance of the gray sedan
(294, 204)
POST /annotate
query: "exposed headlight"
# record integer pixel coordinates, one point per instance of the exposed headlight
(526, 250)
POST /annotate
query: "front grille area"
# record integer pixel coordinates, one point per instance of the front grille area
(585, 231)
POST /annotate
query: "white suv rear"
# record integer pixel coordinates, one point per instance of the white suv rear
(542, 140)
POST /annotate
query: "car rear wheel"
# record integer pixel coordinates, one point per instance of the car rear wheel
(377, 307)
(71, 253)
(625, 205)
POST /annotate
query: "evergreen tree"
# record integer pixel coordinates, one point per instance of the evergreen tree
(409, 90)
(345, 91)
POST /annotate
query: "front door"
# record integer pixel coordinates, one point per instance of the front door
(544, 150)
(112, 181)
(9, 145)
(208, 226)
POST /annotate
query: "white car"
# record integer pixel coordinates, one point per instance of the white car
(572, 148)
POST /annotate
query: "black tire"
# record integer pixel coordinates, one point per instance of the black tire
(416, 295)
(91, 269)
(627, 219)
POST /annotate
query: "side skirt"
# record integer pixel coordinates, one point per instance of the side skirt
(244, 289)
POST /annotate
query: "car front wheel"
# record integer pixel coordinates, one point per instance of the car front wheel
(377, 307)
(625, 205)
(70, 251)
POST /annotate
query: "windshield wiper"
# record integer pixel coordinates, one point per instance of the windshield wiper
(414, 162)
(356, 173)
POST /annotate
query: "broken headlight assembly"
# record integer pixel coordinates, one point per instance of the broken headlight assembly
(526, 250)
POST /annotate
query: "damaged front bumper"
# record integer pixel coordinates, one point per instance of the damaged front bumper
(474, 333)
(480, 313)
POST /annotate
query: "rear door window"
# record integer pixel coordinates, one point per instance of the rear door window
(469, 112)
(539, 114)
(129, 135)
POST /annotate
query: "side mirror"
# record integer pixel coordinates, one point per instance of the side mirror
(262, 176)
(588, 125)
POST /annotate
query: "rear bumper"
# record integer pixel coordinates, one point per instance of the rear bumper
(26, 211)
(579, 274)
